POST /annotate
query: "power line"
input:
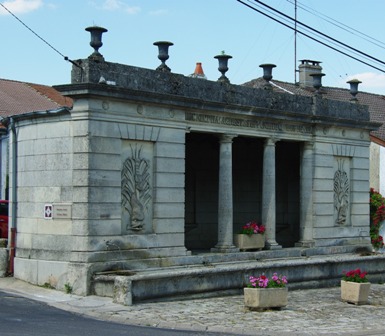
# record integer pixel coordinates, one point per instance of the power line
(38, 36)
(320, 33)
(340, 25)
(314, 39)
(323, 36)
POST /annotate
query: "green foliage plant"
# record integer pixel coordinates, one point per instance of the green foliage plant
(377, 216)
(68, 288)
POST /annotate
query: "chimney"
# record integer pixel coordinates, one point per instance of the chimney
(306, 68)
(198, 73)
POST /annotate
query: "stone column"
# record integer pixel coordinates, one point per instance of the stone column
(268, 194)
(306, 196)
(225, 197)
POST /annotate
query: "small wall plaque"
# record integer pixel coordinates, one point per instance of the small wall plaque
(62, 211)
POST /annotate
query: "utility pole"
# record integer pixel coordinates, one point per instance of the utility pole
(295, 41)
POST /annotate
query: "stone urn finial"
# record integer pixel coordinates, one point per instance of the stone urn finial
(163, 54)
(354, 88)
(223, 60)
(96, 41)
(317, 81)
(267, 74)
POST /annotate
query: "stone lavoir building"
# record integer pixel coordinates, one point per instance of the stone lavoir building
(153, 171)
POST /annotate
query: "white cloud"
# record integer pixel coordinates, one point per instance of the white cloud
(114, 5)
(52, 6)
(20, 6)
(132, 10)
(370, 79)
(111, 5)
(159, 12)
(371, 82)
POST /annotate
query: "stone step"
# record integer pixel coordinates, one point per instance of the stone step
(202, 258)
(214, 278)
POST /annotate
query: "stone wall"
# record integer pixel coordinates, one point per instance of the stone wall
(341, 187)
(45, 176)
(3, 257)
(375, 159)
(382, 173)
(4, 167)
(77, 162)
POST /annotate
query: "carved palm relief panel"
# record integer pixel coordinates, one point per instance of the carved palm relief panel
(342, 191)
(136, 186)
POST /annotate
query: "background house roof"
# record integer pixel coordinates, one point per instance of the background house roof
(19, 98)
(375, 102)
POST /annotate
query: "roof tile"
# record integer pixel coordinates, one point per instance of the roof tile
(19, 98)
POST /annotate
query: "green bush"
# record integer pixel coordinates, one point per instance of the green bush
(377, 215)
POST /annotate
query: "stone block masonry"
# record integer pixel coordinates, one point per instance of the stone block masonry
(157, 167)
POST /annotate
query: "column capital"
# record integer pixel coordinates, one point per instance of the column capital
(309, 145)
(227, 137)
(271, 141)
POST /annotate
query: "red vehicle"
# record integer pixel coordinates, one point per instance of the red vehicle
(4, 219)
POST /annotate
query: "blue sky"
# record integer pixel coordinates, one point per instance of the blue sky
(199, 29)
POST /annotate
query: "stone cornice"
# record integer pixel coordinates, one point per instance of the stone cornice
(130, 83)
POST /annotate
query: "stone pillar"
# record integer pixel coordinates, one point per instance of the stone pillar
(268, 194)
(225, 197)
(3, 257)
(306, 196)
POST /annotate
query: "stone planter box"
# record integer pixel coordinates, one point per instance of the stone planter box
(265, 298)
(249, 242)
(354, 292)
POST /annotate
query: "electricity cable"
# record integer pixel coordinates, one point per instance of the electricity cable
(38, 36)
(311, 37)
(320, 33)
(310, 31)
(340, 25)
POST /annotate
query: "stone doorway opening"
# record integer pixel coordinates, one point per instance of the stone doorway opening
(201, 188)
(287, 193)
(201, 191)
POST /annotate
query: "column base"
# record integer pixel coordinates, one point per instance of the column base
(272, 245)
(305, 243)
(225, 249)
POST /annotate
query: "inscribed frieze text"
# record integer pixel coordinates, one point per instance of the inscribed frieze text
(262, 125)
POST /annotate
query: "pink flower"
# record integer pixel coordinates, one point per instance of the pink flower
(263, 281)
(253, 228)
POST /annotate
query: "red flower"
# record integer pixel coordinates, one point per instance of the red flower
(252, 228)
(355, 276)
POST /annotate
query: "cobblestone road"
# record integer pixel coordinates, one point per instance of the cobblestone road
(309, 312)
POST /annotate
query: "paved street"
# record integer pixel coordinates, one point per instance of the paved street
(21, 316)
(309, 312)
